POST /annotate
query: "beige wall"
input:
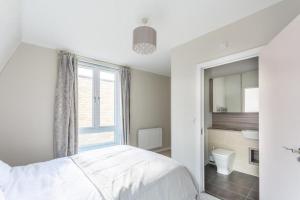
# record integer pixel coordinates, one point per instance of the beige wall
(253, 31)
(150, 104)
(27, 87)
(235, 141)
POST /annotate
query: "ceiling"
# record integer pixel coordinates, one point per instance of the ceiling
(102, 29)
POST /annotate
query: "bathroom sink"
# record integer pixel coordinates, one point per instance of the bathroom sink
(250, 134)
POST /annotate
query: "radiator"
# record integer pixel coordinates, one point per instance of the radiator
(150, 138)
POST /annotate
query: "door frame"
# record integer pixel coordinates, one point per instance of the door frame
(200, 97)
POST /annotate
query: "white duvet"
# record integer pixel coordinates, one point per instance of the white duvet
(119, 172)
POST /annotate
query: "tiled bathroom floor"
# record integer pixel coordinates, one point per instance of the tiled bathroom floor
(236, 186)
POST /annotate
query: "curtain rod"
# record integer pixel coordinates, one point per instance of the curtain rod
(97, 62)
(92, 60)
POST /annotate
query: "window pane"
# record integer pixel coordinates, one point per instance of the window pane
(107, 98)
(92, 139)
(251, 100)
(108, 76)
(85, 72)
(85, 98)
(96, 107)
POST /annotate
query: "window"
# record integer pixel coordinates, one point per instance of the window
(251, 99)
(97, 107)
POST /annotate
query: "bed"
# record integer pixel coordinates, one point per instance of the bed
(118, 172)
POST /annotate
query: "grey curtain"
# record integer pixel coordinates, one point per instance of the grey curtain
(125, 101)
(65, 108)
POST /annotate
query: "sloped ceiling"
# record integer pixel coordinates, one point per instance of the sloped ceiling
(102, 29)
(10, 29)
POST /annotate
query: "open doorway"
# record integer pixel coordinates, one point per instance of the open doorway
(230, 113)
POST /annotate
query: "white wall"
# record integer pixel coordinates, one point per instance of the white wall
(150, 104)
(27, 86)
(10, 29)
(279, 116)
(251, 32)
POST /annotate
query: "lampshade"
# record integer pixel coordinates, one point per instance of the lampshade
(144, 40)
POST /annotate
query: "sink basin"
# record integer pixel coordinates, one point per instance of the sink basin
(250, 134)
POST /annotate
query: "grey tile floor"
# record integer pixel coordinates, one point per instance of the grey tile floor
(236, 186)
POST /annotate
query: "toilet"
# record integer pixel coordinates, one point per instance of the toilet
(224, 160)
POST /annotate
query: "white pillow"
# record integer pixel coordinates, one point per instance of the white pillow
(4, 174)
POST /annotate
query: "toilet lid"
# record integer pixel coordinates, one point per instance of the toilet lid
(223, 152)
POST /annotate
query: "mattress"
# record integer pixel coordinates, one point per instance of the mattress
(118, 172)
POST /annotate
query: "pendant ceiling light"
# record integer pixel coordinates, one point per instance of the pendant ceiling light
(144, 39)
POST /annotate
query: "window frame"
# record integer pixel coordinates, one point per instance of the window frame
(96, 116)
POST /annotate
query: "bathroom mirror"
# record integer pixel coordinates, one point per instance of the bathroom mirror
(235, 93)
